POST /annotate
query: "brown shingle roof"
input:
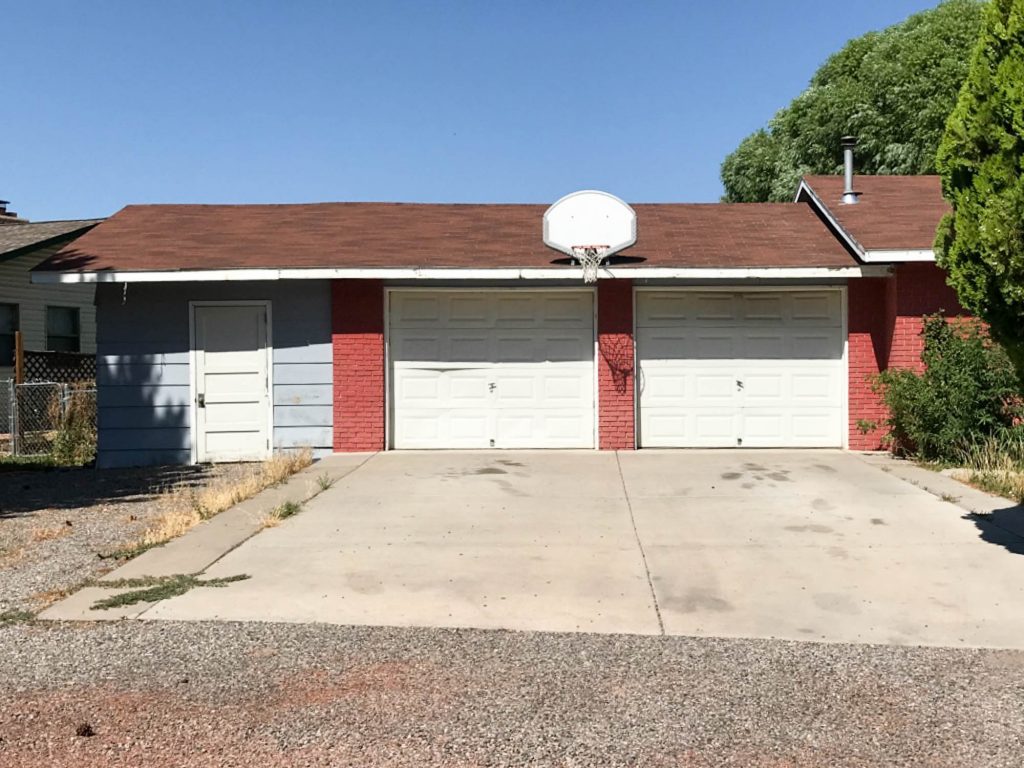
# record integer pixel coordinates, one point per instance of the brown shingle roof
(28, 234)
(893, 212)
(373, 235)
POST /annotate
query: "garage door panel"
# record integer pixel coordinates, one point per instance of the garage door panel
(664, 309)
(763, 308)
(821, 308)
(817, 346)
(715, 307)
(467, 311)
(511, 369)
(715, 345)
(567, 311)
(753, 369)
(563, 429)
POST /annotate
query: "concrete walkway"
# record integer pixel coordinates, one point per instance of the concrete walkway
(816, 545)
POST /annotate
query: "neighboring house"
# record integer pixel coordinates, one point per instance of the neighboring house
(49, 316)
(226, 331)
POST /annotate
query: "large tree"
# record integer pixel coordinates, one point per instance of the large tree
(981, 159)
(892, 89)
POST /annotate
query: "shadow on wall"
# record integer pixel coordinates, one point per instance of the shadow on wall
(1003, 527)
(143, 407)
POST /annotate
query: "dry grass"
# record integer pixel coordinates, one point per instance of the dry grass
(184, 508)
(43, 600)
(48, 532)
(996, 465)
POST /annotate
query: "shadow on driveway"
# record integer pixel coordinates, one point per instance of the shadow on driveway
(1003, 527)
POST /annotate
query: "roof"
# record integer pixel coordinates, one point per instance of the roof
(892, 213)
(412, 235)
(16, 239)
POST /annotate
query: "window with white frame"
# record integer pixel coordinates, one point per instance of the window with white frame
(62, 329)
(8, 327)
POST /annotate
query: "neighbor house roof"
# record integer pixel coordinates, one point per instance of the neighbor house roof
(410, 235)
(892, 213)
(15, 240)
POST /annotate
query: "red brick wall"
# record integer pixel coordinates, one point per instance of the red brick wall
(920, 289)
(615, 359)
(885, 332)
(357, 334)
(868, 334)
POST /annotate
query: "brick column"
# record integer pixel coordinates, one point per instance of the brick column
(870, 311)
(357, 335)
(615, 360)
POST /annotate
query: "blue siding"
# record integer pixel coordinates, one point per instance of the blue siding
(143, 366)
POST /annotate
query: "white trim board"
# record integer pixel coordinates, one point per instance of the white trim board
(448, 273)
(880, 256)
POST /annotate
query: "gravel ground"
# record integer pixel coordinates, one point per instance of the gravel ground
(163, 694)
(54, 524)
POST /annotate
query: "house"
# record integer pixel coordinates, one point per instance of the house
(51, 316)
(228, 330)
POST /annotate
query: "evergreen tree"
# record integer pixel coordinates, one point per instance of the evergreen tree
(981, 159)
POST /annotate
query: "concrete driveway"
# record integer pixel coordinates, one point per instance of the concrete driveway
(815, 545)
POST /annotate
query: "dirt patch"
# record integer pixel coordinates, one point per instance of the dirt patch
(54, 525)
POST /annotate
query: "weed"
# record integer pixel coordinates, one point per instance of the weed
(283, 512)
(127, 553)
(75, 417)
(324, 481)
(150, 589)
(184, 508)
(950, 498)
(15, 616)
(286, 510)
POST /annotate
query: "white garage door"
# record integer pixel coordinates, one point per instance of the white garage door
(477, 369)
(726, 369)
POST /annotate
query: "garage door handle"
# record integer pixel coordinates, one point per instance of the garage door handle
(201, 400)
(492, 386)
(739, 384)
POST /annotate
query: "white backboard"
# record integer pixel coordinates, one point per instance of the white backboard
(589, 217)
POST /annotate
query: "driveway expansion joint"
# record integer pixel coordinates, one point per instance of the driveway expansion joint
(640, 546)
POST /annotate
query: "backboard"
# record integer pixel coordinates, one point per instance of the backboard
(589, 218)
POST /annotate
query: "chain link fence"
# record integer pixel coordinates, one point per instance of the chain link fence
(48, 418)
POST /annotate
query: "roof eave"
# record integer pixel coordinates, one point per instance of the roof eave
(455, 273)
(806, 193)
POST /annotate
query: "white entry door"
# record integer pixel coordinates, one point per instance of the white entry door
(492, 369)
(751, 369)
(231, 382)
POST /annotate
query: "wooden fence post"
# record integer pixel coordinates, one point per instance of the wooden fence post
(19, 358)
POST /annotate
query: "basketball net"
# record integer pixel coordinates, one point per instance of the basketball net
(589, 257)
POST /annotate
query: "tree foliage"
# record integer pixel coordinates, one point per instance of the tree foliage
(981, 159)
(892, 89)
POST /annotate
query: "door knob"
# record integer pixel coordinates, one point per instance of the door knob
(201, 400)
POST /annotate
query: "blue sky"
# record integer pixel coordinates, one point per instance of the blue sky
(109, 103)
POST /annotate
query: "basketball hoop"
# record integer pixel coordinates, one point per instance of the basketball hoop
(589, 216)
(589, 257)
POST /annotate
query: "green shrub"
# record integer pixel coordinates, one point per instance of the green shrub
(967, 391)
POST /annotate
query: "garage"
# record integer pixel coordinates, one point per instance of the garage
(473, 368)
(751, 368)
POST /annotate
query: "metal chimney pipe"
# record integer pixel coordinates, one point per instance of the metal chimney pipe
(848, 143)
